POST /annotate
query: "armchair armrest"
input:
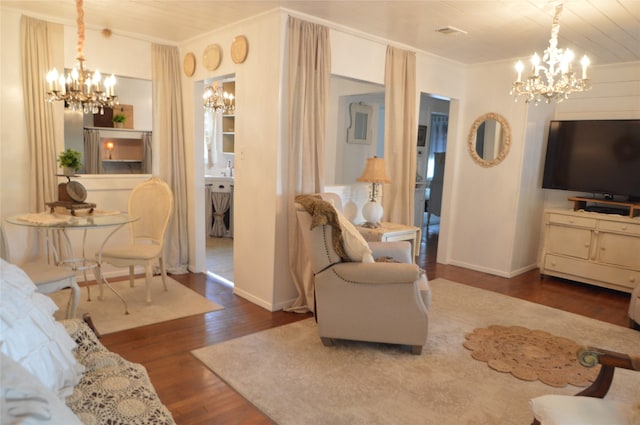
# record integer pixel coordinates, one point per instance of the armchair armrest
(592, 356)
(399, 251)
(377, 273)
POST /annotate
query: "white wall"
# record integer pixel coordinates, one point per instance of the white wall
(487, 199)
(258, 238)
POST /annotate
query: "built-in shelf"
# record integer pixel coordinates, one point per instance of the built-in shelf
(229, 122)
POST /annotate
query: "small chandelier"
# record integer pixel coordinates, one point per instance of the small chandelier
(80, 89)
(559, 81)
(217, 100)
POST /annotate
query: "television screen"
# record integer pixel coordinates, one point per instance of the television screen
(596, 156)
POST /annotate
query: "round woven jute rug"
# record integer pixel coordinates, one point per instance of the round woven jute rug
(530, 355)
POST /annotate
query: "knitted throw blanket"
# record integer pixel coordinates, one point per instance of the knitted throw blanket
(323, 213)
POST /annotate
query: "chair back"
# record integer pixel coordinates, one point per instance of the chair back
(152, 201)
(318, 241)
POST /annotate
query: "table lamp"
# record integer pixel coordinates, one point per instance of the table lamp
(375, 174)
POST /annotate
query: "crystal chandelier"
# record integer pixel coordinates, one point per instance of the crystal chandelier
(217, 100)
(551, 79)
(80, 89)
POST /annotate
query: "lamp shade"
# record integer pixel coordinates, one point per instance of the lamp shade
(374, 171)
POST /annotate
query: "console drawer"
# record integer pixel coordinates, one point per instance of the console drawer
(591, 272)
(572, 220)
(616, 226)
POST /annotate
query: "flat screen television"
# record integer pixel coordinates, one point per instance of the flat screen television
(601, 157)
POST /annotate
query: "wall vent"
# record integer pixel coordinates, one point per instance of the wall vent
(450, 30)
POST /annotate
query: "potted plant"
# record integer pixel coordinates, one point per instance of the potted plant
(118, 120)
(69, 160)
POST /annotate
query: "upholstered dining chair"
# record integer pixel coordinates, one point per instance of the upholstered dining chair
(589, 407)
(357, 298)
(47, 278)
(152, 202)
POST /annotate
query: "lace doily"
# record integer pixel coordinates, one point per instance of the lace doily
(530, 355)
(113, 391)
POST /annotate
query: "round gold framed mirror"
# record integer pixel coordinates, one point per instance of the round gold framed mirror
(489, 139)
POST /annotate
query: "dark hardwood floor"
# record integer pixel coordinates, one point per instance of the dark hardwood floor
(195, 395)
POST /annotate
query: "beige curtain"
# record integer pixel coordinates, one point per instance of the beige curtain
(168, 129)
(36, 62)
(92, 152)
(400, 134)
(308, 74)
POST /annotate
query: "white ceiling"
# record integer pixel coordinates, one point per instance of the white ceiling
(607, 30)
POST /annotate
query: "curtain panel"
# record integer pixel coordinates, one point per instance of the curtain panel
(36, 62)
(309, 70)
(400, 135)
(168, 126)
(92, 152)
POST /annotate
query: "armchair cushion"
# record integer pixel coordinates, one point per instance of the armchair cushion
(572, 410)
(355, 246)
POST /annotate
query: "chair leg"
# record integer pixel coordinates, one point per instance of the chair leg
(148, 278)
(131, 271)
(163, 272)
(74, 298)
(327, 342)
(100, 282)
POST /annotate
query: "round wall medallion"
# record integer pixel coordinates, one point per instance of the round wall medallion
(239, 49)
(189, 64)
(212, 57)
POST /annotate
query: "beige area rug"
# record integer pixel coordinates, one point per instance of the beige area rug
(108, 314)
(290, 376)
(530, 354)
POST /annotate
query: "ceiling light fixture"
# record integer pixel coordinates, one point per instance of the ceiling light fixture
(82, 90)
(218, 101)
(559, 80)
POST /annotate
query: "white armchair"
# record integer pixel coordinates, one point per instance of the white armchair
(589, 407)
(383, 302)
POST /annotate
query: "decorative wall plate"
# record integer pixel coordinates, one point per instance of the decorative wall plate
(239, 49)
(189, 64)
(212, 57)
(76, 191)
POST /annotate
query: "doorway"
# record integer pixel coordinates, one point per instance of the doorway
(433, 124)
(218, 135)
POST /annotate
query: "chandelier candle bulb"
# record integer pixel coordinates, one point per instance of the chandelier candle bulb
(585, 63)
(519, 69)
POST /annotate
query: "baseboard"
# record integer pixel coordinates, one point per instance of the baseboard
(501, 273)
(252, 298)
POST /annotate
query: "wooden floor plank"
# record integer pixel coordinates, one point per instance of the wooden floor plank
(196, 396)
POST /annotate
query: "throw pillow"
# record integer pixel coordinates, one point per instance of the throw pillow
(24, 400)
(30, 335)
(355, 245)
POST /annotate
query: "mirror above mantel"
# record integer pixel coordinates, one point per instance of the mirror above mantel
(489, 139)
(119, 149)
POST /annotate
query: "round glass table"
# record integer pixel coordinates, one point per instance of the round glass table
(62, 222)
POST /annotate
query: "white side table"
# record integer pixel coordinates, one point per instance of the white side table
(393, 232)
